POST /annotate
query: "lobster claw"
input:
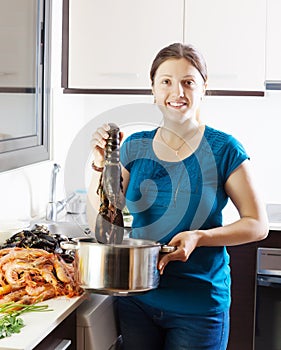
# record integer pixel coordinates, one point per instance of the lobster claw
(102, 229)
(111, 183)
(110, 227)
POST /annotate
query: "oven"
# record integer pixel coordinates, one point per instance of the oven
(96, 324)
(267, 333)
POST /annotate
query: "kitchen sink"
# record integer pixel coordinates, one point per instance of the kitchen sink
(71, 226)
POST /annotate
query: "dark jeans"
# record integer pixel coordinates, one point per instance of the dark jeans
(146, 328)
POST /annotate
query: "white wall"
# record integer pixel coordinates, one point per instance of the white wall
(255, 121)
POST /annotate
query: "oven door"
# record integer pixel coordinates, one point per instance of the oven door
(268, 302)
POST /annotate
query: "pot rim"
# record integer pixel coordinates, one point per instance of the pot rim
(140, 243)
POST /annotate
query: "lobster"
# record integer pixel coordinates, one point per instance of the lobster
(109, 223)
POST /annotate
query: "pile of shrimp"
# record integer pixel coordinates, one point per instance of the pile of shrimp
(29, 275)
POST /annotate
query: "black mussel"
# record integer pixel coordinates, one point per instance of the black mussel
(17, 237)
(40, 229)
(47, 237)
(62, 238)
(8, 245)
(58, 250)
(39, 237)
(68, 258)
(42, 243)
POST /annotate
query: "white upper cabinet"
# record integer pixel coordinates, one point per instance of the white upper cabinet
(231, 36)
(273, 41)
(112, 43)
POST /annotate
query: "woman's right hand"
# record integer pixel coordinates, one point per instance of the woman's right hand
(98, 144)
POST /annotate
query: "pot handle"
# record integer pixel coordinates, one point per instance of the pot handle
(167, 249)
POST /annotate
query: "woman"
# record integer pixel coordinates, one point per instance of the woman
(177, 179)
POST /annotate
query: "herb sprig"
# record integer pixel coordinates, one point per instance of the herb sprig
(11, 322)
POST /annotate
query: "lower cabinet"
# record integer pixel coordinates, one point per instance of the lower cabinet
(243, 270)
(63, 337)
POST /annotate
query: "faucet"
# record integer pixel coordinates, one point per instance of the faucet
(53, 207)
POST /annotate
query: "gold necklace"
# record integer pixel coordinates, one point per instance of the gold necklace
(166, 143)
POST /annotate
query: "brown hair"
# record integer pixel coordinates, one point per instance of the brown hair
(177, 50)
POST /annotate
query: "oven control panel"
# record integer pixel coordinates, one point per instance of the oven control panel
(269, 261)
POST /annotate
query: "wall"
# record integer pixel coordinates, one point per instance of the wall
(256, 122)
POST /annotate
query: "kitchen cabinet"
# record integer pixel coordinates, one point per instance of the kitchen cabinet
(109, 46)
(231, 36)
(112, 43)
(62, 337)
(273, 48)
(243, 270)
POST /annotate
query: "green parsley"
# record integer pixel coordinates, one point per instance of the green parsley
(11, 322)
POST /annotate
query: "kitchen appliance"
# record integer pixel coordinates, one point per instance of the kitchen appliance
(268, 300)
(96, 324)
(117, 269)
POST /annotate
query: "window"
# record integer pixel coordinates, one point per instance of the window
(24, 82)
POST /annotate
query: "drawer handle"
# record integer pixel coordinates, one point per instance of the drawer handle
(63, 345)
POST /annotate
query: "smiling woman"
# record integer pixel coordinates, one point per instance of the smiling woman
(24, 82)
(177, 179)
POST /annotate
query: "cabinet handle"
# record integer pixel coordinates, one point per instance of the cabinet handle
(63, 345)
(273, 84)
(4, 74)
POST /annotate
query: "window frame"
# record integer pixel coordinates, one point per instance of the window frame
(22, 151)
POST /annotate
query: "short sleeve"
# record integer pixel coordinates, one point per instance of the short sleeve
(234, 155)
(136, 146)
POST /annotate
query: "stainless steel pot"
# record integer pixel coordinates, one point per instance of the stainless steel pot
(123, 269)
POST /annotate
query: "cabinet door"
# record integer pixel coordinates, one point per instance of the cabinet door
(273, 41)
(62, 337)
(112, 43)
(231, 35)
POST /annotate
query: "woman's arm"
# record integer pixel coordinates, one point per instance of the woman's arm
(252, 225)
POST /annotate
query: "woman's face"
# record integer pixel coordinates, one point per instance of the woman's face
(178, 87)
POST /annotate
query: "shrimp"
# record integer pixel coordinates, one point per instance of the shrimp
(2, 279)
(48, 275)
(21, 253)
(13, 296)
(48, 293)
(15, 273)
(61, 272)
(5, 289)
(35, 290)
(29, 275)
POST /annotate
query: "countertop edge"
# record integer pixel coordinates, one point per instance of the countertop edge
(275, 226)
(36, 329)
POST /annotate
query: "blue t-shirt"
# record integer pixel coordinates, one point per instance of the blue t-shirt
(166, 198)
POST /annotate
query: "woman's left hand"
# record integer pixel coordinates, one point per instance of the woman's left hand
(185, 242)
